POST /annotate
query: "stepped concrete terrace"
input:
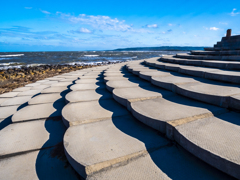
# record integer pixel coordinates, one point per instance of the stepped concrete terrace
(157, 118)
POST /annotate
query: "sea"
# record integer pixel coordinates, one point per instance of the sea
(19, 59)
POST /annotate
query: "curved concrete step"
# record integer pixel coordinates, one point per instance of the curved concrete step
(44, 164)
(88, 95)
(16, 101)
(117, 78)
(197, 88)
(205, 63)
(215, 93)
(207, 57)
(89, 86)
(231, 52)
(171, 82)
(125, 96)
(148, 74)
(123, 151)
(28, 136)
(86, 81)
(205, 139)
(81, 112)
(111, 85)
(209, 73)
(47, 98)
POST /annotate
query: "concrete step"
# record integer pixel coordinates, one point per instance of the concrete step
(88, 95)
(31, 132)
(209, 120)
(208, 57)
(46, 164)
(110, 85)
(117, 146)
(231, 52)
(208, 91)
(111, 143)
(231, 65)
(204, 72)
(103, 141)
(164, 120)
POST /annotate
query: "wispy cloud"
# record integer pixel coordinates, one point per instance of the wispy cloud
(152, 26)
(168, 31)
(81, 30)
(233, 13)
(170, 24)
(101, 23)
(211, 28)
(45, 12)
(214, 28)
(28, 7)
(26, 33)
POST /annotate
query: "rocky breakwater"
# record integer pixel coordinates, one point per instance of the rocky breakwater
(18, 77)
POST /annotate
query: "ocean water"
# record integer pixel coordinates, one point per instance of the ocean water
(19, 59)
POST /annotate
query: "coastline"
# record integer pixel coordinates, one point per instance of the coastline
(19, 77)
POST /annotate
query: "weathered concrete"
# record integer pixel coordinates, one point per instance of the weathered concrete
(16, 101)
(21, 89)
(88, 95)
(39, 111)
(89, 86)
(9, 94)
(206, 140)
(45, 164)
(49, 82)
(55, 90)
(29, 92)
(125, 96)
(28, 136)
(3, 99)
(125, 84)
(116, 78)
(33, 84)
(7, 111)
(148, 74)
(47, 98)
(86, 112)
(226, 76)
(171, 109)
(40, 87)
(91, 149)
(210, 92)
(117, 74)
(170, 82)
(165, 163)
(90, 81)
(63, 84)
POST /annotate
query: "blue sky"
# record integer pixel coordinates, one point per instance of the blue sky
(104, 24)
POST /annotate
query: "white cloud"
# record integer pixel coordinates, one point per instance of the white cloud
(233, 13)
(45, 12)
(28, 7)
(214, 28)
(84, 30)
(98, 22)
(152, 25)
(170, 24)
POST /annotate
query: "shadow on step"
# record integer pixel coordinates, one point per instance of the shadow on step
(51, 162)
(170, 159)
